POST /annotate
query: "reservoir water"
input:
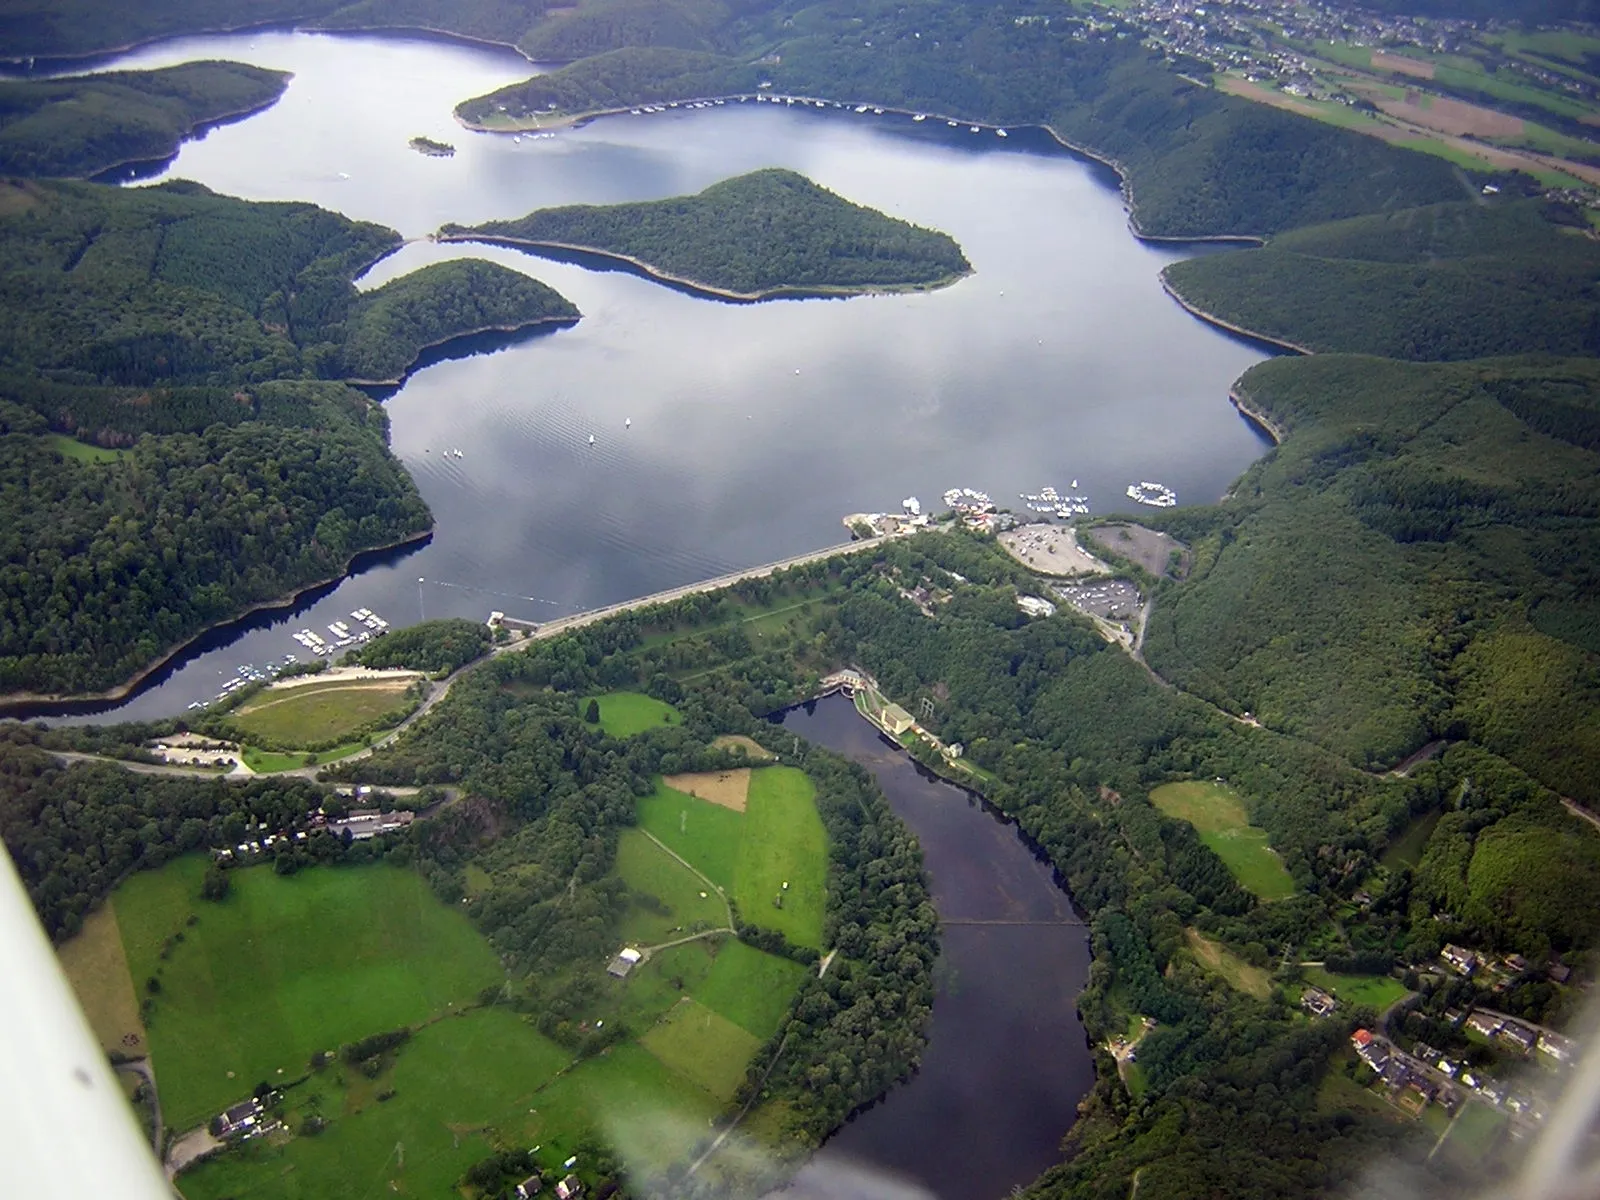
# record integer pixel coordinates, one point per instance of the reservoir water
(754, 428)
(1006, 1062)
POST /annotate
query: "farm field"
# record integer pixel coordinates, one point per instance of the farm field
(265, 762)
(702, 1046)
(750, 987)
(283, 967)
(459, 1085)
(739, 744)
(783, 843)
(1219, 960)
(1218, 815)
(777, 839)
(1375, 991)
(623, 714)
(646, 868)
(318, 712)
(97, 968)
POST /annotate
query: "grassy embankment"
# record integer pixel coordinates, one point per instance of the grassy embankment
(310, 714)
(1218, 815)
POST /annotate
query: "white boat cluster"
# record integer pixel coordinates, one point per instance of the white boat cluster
(768, 98)
(1048, 500)
(1156, 495)
(644, 109)
(964, 499)
(343, 634)
(248, 673)
(912, 505)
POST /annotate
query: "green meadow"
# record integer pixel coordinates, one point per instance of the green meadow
(777, 839)
(1218, 815)
(623, 714)
(311, 713)
(1375, 991)
(648, 870)
(283, 967)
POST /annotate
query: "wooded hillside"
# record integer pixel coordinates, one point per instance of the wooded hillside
(82, 126)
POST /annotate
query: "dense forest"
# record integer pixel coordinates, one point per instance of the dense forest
(1450, 281)
(440, 645)
(770, 232)
(104, 566)
(186, 332)
(1417, 560)
(80, 127)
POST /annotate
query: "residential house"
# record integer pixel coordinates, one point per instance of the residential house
(1317, 1002)
(1483, 1024)
(569, 1188)
(1557, 1047)
(624, 962)
(1517, 1036)
(529, 1187)
(1462, 961)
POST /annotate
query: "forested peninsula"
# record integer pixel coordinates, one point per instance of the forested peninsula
(179, 448)
(769, 233)
(80, 127)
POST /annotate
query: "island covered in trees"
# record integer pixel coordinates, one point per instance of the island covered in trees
(766, 234)
(86, 125)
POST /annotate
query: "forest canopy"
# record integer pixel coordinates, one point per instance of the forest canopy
(81, 126)
(771, 232)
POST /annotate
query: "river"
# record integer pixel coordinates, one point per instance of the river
(755, 428)
(1006, 1062)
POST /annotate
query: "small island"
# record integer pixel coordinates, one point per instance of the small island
(433, 149)
(767, 234)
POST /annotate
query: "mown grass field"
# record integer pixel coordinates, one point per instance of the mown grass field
(265, 762)
(705, 834)
(623, 714)
(750, 987)
(1218, 816)
(778, 838)
(702, 1046)
(649, 870)
(97, 968)
(311, 713)
(1220, 961)
(460, 1086)
(1376, 991)
(783, 842)
(284, 967)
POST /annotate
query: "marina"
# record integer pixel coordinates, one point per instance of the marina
(1155, 495)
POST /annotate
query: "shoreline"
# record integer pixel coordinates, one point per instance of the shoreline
(290, 26)
(198, 128)
(711, 291)
(422, 351)
(561, 121)
(1228, 326)
(1255, 416)
(35, 701)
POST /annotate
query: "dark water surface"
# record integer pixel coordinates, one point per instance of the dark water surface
(1006, 1062)
(755, 428)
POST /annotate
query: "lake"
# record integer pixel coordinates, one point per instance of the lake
(1006, 1062)
(755, 428)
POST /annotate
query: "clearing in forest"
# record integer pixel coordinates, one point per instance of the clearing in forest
(623, 714)
(740, 744)
(97, 968)
(1219, 960)
(318, 712)
(730, 789)
(285, 966)
(1218, 815)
